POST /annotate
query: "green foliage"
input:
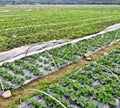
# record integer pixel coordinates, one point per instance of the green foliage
(46, 24)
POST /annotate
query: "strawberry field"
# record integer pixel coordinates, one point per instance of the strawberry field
(23, 71)
(18, 24)
(71, 71)
(96, 85)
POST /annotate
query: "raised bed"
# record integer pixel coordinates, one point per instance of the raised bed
(21, 72)
(96, 85)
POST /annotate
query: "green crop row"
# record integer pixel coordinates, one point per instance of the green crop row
(17, 28)
(93, 86)
(38, 65)
(72, 51)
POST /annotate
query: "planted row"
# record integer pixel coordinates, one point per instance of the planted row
(93, 86)
(18, 27)
(38, 65)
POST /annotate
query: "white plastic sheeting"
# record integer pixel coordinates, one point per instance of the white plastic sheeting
(21, 52)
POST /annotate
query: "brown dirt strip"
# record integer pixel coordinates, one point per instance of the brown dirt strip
(22, 93)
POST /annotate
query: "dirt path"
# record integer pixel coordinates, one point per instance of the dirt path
(23, 92)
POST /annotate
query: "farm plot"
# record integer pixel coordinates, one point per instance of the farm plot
(21, 72)
(96, 85)
(44, 24)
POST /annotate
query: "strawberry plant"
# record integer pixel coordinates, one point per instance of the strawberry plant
(6, 86)
(48, 68)
(36, 104)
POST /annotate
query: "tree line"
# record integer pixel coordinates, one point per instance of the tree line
(59, 1)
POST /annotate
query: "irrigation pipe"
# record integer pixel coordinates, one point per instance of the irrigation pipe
(49, 96)
(28, 49)
(2, 85)
(74, 44)
(51, 58)
(116, 34)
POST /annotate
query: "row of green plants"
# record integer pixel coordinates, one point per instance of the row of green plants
(68, 33)
(52, 24)
(9, 77)
(71, 28)
(39, 17)
(72, 51)
(28, 68)
(34, 66)
(93, 86)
